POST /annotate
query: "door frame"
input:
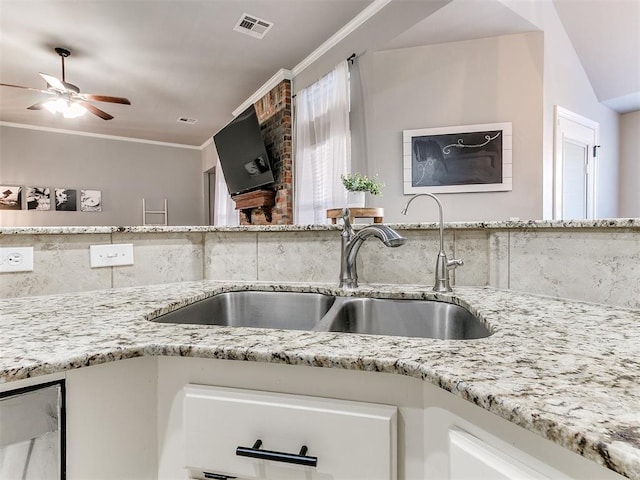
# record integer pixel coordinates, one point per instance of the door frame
(209, 183)
(563, 113)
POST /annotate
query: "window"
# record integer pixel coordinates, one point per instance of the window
(322, 146)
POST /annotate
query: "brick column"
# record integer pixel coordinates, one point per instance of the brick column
(274, 116)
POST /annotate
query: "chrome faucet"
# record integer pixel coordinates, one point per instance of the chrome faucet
(351, 243)
(442, 283)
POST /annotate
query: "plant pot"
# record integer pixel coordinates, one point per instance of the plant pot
(355, 199)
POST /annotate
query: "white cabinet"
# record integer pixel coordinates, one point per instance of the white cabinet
(257, 435)
(471, 458)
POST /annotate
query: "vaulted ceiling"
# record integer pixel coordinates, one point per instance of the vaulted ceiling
(182, 58)
(606, 36)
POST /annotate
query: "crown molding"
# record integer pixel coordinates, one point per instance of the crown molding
(208, 142)
(283, 74)
(100, 135)
(373, 8)
(280, 75)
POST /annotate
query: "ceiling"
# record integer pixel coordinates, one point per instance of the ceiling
(463, 20)
(606, 37)
(182, 58)
(171, 59)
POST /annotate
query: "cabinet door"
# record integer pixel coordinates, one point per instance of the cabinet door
(350, 440)
(31, 435)
(473, 459)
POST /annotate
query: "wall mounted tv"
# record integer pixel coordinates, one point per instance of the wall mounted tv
(242, 154)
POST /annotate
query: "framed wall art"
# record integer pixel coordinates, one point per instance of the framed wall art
(90, 201)
(66, 199)
(38, 198)
(10, 197)
(466, 158)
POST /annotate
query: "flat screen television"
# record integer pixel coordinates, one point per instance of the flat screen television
(242, 154)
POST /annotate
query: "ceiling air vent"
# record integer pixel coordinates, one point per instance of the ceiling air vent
(252, 25)
(190, 121)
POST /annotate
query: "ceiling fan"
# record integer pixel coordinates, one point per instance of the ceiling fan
(67, 99)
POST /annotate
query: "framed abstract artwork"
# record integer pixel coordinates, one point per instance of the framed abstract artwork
(66, 200)
(90, 201)
(10, 197)
(38, 198)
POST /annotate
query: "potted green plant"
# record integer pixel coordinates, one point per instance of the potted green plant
(357, 185)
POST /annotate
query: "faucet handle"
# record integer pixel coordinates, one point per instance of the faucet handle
(454, 263)
(346, 218)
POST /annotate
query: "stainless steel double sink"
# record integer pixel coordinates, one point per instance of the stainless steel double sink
(327, 313)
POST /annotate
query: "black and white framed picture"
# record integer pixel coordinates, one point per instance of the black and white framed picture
(38, 198)
(90, 201)
(66, 200)
(10, 197)
(466, 158)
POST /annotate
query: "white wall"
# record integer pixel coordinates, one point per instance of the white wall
(567, 85)
(564, 83)
(125, 172)
(491, 80)
(209, 157)
(630, 164)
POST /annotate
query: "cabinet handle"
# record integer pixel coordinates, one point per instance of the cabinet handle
(299, 459)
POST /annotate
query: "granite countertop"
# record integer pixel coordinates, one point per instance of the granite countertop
(566, 370)
(626, 223)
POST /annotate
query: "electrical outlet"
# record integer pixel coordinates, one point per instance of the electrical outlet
(111, 255)
(16, 259)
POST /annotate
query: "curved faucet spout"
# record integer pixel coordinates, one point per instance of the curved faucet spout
(385, 234)
(440, 214)
(442, 282)
(351, 243)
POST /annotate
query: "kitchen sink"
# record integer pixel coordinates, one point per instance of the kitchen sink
(327, 313)
(407, 318)
(287, 310)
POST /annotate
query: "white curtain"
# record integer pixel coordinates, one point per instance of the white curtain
(224, 212)
(323, 149)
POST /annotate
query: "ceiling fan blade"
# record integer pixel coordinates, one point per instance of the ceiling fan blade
(37, 106)
(26, 88)
(53, 82)
(105, 98)
(96, 111)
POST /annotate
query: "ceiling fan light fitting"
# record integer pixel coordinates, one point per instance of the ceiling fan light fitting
(66, 108)
(74, 110)
(54, 105)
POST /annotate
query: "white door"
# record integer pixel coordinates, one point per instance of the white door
(576, 142)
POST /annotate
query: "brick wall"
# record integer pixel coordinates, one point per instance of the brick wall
(274, 116)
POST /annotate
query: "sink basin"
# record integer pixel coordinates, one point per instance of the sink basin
(287, 310)
(326, 313)
(408, 318)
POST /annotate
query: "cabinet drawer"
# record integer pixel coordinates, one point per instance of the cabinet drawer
(351, 440)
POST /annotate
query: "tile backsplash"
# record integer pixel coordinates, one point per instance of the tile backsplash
(589, 263)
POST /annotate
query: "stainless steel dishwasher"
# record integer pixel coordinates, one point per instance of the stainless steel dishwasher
(32, 432)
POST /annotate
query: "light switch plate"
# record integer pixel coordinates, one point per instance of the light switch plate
(111, 255)
(16, 259)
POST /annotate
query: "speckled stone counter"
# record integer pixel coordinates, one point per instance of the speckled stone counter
(566, 370)
(625, 223)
